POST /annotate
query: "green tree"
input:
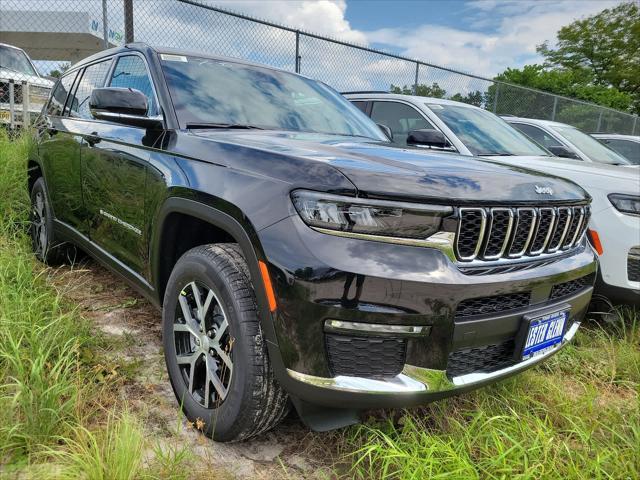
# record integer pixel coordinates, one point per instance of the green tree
(423, 90)
(601, 50)
(58, 72)
(476, 98)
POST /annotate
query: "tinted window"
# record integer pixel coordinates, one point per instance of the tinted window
(131, 72)
(592, 148)
(539, 135)
(484, 133)
(205, 90)
(59, 95)
(362, 106)
(628, 149)
(400, 118)
(92, 77)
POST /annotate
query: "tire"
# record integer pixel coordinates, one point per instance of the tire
(220, 373)
(43, 242)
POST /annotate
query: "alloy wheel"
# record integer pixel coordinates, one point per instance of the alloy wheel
(39, 225)
(203, 344)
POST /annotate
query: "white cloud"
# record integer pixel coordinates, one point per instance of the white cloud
(518, 27)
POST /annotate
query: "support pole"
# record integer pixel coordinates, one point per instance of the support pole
(297, 51)
(128, 21)
(415, 81)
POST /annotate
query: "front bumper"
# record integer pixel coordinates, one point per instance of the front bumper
(416, 292)
(414, 386)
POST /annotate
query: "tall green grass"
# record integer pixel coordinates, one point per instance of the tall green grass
(577, 417)
(52, 424)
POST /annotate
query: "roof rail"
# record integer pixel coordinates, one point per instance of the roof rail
(365, 91)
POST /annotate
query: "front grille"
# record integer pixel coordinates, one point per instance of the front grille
(365, 356)
(569, 288)
(481, 359)
(494, 304)
(4, 92)
(488, 234)
(633, 265)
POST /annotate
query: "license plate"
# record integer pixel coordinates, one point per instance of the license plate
(544, 333)
(5, 116)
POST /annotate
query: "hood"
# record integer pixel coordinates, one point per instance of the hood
(585, 174)
(380, 170)
(19, 77)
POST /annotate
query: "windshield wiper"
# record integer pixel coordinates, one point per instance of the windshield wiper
(196, 125)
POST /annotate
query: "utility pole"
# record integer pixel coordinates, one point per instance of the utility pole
(128, 21)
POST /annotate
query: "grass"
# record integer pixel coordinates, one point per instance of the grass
(57, 412)
(575, 417)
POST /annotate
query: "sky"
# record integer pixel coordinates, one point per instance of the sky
(478, 36)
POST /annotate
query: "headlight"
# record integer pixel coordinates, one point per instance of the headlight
(626, 203)
(397, 222)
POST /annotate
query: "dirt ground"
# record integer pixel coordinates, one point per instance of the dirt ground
(134, 327)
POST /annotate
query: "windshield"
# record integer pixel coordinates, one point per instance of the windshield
(16, 60)
(207, 91)
(483, 133)
(590, 146)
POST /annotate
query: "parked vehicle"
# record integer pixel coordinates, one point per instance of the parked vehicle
(23, 92)
(626, 145)
(567, 141)
(469, 130)
(295, 254)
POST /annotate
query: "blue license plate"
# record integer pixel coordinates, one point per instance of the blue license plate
(544, 333)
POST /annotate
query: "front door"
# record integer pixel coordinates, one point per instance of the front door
(114, 167)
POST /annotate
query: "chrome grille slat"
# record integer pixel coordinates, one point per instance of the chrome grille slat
(492, 234)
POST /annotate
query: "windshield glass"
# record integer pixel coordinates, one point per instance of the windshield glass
(590, 146)
(221, 92)
(483, 133)
(16, 60)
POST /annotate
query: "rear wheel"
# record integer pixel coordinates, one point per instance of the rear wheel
(43, 241)
(215, 353)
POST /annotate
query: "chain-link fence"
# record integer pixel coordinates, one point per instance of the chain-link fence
(56, 32)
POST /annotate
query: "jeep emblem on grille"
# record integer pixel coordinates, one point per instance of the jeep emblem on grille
(541, 190)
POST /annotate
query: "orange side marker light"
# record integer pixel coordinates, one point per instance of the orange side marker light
(266, 281)
(595, 241)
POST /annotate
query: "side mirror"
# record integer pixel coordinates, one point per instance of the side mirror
(564, 152)
(386, 130)
(428, 137)
(122, 105)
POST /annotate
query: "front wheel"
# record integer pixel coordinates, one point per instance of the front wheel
(214, 349)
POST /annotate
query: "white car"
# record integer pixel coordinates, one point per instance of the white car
(566, 141)
(22, 89)
(626, 145)
(445, 125)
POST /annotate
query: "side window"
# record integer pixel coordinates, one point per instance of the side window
(362, 106)
(627, 148)
(537, 134)
(59, 95)
(400, 118)
(131, 72)
(92, 77)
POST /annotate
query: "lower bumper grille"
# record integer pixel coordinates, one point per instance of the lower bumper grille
(633, 265)
(569, 288)
(365, 356)
(481, 359)
(494, 304)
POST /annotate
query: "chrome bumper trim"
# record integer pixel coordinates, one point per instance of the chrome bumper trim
(420, 380)
(340, 326)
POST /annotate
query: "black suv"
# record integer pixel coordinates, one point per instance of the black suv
(297, 257)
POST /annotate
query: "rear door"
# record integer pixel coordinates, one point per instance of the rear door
(114, 164)
(59, 150)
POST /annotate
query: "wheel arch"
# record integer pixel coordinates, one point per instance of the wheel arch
(227, 228)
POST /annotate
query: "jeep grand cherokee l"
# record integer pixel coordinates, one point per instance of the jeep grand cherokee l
(297, 257)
